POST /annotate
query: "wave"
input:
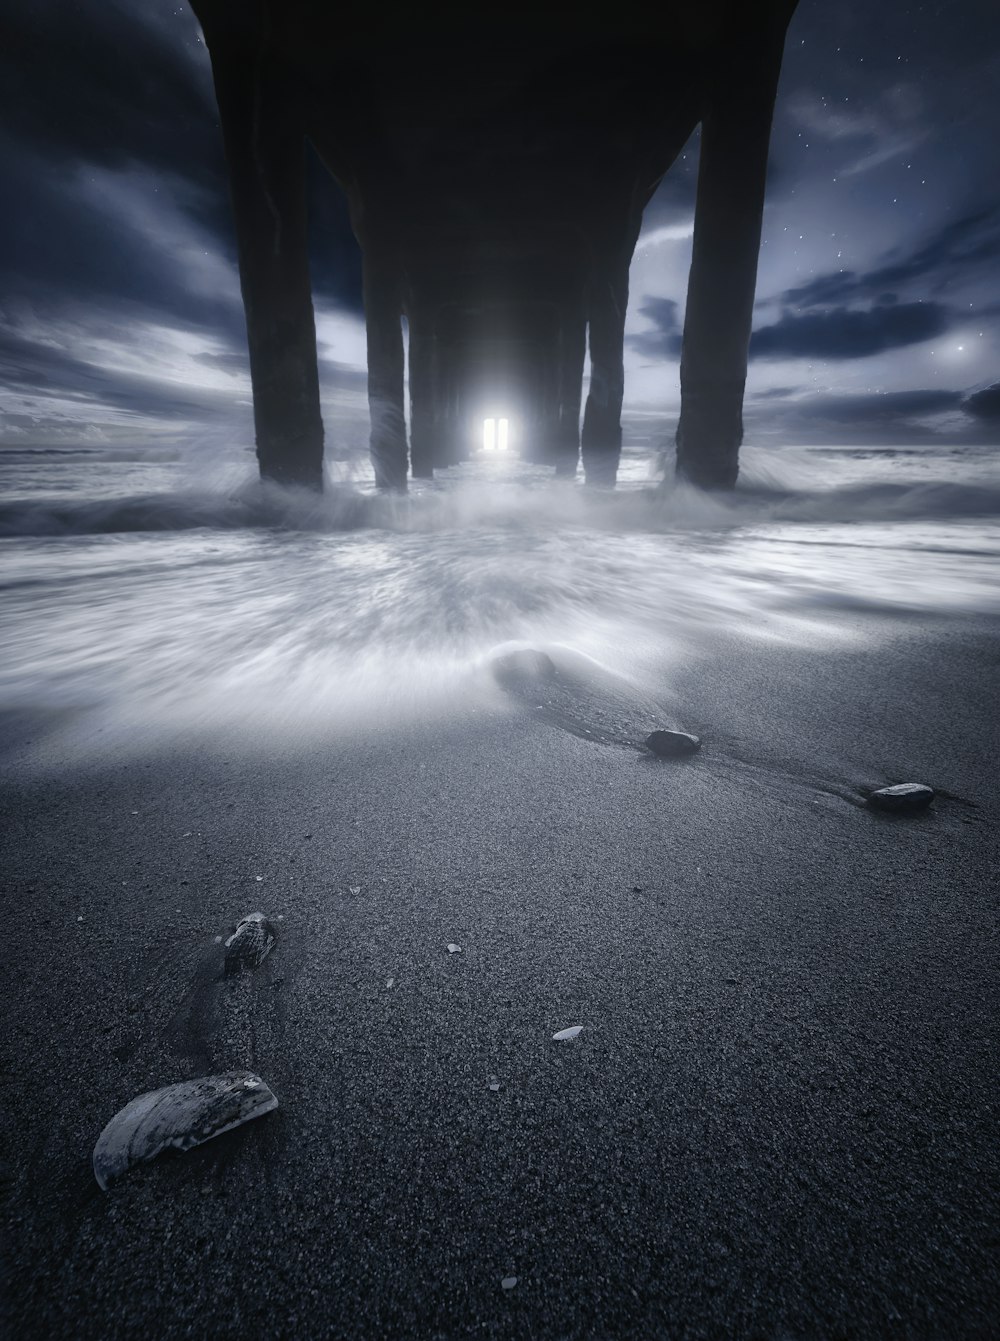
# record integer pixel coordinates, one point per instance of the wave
(115, 455)
(299, 613)
(675, 507)
(185, 510)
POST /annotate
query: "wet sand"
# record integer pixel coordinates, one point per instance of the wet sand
(778, 1121)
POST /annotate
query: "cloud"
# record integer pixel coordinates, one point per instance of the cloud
(948, 254)
(117, 97)
(887, 128)
(849, 333)
(675, 232)
(664, 341)
(880, 407)
(984, 404)
(839, 333)
(86, 234)
(105, 84)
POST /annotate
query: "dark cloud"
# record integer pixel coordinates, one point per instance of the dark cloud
(138, 92)
(984, 404)
(847, 333)
(57, 373)
(67, 245)
(234, 362)
(879, 408)
(127, 89)
(841, 333)
(958, 247)
(665, 341)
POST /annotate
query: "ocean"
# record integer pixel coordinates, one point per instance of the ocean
(154, 594)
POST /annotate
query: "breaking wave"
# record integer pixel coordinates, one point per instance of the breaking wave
(673, 507)
(209, 608)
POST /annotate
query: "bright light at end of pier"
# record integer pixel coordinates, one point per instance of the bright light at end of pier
(495, 435)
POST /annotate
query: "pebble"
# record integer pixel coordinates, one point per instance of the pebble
(508, 1282)
(903, 798)
(672, 744)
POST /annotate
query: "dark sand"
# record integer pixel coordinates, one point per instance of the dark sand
(778, 1121)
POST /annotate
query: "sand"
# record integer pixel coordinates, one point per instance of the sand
(777, 1121)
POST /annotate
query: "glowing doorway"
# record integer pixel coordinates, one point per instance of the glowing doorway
(495, 433)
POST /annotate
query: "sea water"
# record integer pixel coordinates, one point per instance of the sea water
(150, 593)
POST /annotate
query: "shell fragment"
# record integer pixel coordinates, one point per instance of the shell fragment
(178, 1116)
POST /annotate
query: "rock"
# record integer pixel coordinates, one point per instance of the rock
(672, 744)
(508, 1282)
(249, 944)
(903, 798)
(179, 1117)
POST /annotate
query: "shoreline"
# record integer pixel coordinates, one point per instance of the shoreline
(776, 1121)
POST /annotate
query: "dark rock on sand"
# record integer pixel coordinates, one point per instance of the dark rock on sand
(178, 1116)
(673, 744)
(249, 944)
(903, 798)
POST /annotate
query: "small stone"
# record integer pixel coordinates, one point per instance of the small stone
(672, 744)
(903, 798)
(454, 949)
(355, 889)
(390, 982)
(508, 1282)
(494, 1085)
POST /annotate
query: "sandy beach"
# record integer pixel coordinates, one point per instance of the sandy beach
(778, 1120)
(407, 415)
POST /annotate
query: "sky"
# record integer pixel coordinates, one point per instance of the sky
(878, 298)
